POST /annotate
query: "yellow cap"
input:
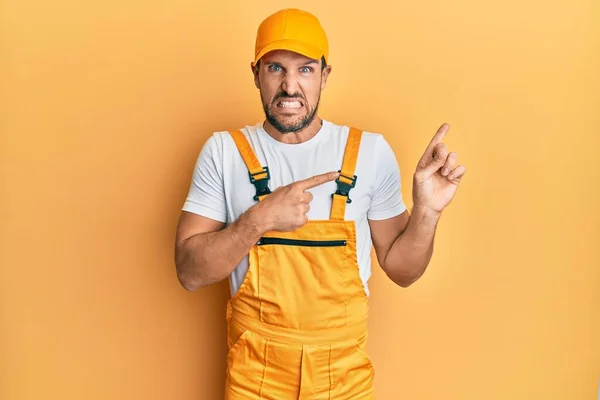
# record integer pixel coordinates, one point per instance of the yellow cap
(294, 30)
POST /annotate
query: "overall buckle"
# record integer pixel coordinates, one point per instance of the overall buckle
(343, 188)
(262, 184)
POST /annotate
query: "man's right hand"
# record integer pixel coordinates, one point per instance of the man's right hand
(207, 252)
(286, 207)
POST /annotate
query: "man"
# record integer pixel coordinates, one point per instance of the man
(288, 210)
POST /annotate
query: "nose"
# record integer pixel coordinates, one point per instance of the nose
(290, 84)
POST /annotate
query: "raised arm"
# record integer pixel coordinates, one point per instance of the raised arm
(404, 244)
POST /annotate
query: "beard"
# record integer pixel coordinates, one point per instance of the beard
(283, 126)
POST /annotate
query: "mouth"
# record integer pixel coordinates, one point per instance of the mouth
(289, 104)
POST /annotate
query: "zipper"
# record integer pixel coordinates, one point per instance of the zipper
(297, 242)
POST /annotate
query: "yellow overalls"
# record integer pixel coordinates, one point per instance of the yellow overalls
(297, 326)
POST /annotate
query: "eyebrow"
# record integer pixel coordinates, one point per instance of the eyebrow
(279, 64)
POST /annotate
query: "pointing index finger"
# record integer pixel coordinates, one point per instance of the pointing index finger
(439, 135)
(317, 180)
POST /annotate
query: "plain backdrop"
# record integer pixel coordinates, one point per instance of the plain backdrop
(105, 106)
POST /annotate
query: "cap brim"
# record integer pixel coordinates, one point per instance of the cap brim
(291, 45)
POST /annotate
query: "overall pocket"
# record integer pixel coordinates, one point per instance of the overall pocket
(303, 282)
(246, 363)
(353, 375)
(264, 241)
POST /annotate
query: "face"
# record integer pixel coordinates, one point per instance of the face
(290, 89)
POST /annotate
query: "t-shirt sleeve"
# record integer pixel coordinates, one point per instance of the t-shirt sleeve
(206, 196)
(387, 199)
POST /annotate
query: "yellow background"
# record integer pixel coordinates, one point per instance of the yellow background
(105, 106)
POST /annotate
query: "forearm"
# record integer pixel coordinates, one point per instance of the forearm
(210, 257)
(411, 252)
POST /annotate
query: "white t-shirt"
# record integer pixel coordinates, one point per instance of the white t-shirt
(221, 189)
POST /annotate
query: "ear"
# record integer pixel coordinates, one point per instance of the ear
(255, 70)
(325, 75)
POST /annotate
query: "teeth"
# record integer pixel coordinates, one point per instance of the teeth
(290, 104)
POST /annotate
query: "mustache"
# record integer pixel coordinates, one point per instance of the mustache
(286, 96)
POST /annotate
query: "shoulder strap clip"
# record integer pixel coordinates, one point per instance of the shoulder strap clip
(261, 184)
(343, 188)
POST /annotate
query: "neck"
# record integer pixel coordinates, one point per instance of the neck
(294, 137)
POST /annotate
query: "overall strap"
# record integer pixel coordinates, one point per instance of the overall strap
(259, 176)
(347, 179)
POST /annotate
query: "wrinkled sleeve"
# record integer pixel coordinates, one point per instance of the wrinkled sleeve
(206, 196)
(387, 201)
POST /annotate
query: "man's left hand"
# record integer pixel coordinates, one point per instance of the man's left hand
(437, 177)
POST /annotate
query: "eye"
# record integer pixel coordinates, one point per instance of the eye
(274, 68)
(306, 70)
